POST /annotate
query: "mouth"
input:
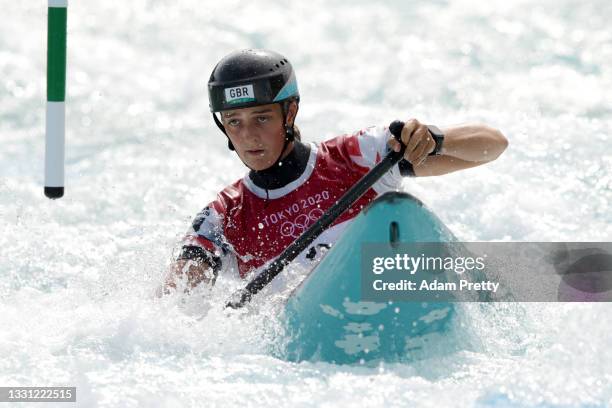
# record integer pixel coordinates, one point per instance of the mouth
(255, 152)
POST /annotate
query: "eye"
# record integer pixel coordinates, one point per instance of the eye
(263, 119)
(233, 122)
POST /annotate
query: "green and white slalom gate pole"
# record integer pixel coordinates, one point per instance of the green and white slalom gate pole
(56, 94)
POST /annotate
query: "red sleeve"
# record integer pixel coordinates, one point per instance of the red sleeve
(365, 149)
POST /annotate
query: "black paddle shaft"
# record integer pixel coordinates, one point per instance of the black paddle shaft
(292, 251)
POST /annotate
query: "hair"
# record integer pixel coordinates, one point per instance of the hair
(296, 133)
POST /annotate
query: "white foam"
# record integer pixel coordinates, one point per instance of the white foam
(143, 156)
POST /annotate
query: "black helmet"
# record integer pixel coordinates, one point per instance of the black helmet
(249, 78)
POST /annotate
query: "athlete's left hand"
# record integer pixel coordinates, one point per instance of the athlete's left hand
(418, 141)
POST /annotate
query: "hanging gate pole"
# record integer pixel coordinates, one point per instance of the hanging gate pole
(56, 95)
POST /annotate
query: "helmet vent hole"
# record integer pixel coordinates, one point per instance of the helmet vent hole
(282, 62)
(277, 66)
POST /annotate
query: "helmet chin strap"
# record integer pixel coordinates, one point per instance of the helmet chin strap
(289, 136)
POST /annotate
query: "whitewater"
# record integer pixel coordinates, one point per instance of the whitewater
(78, 275)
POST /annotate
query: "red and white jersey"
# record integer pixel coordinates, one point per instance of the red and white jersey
(242, 224)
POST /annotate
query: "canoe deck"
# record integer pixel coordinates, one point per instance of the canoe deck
(325, 317)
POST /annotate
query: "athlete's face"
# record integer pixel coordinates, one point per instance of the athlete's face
(257, 133)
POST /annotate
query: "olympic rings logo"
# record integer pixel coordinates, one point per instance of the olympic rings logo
(300, 223)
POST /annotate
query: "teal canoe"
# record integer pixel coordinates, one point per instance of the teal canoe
(326, 318)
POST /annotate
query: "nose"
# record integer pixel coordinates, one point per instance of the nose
(250, 132)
